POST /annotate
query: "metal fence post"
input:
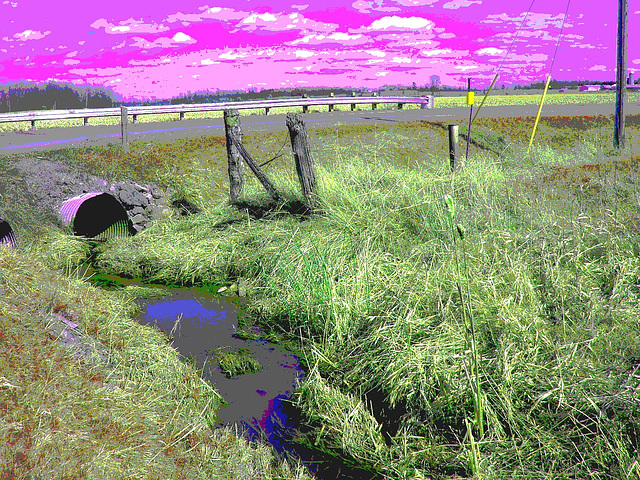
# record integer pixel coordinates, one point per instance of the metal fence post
(453, 146)
(124, 128)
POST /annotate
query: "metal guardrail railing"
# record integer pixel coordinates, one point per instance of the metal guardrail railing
(305, 103)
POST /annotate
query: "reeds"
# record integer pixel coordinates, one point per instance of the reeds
(458, 234)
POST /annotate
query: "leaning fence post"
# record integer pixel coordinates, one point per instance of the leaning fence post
(236, 166)
(302, 154)
(453, 146)
(124, 128)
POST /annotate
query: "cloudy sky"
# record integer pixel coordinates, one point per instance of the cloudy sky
(155, 49)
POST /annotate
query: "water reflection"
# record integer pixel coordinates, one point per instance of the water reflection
(201, 326)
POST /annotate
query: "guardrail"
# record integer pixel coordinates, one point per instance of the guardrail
(305, 103)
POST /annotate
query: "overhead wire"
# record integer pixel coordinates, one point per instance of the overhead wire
(502, 63)
(546, 85)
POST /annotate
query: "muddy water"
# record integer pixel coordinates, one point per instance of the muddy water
(200, 324)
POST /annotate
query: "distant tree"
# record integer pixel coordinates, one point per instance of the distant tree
(435, 82)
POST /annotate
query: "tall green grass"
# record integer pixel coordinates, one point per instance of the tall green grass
(533, 336)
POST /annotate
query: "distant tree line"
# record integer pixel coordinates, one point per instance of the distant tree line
(52, 95)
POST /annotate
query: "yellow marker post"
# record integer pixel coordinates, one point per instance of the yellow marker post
(470, 97)
(535, 125)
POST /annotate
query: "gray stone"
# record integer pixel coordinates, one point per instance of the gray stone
(51, 183)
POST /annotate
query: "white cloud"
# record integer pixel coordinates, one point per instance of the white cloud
(127, 26)
(304, 54)
(436, 52)
(376, 53)
(207, 61)
(415, 3)
(489, 51)
(265, 17)
(182, 38)
(455, 4)
(299, 7)
(233, 56)
(395, 22)
(464, 68)
(401, 60)
(598, 68)
(30, 35)
(163, 42)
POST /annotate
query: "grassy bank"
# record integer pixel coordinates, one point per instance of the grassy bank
(379, 295)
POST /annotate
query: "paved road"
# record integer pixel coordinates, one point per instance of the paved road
(56, 138)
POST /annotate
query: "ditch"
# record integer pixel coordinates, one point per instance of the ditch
(255, 377)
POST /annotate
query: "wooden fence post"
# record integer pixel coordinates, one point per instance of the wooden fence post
(453, 146)
(124, 128)
(353, 105)
(236, 142)
(331, 106)
(233, 130)
(302, 154)
(374, 105)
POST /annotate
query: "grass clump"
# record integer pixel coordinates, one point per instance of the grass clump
(237, 363)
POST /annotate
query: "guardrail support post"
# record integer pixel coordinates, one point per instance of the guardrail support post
(33, 124)
(236, 166)
(86, 121)
(399, 106)
(453, 146)
(266, 110)
(374, 105)
(331, 106)
(124, 128)
(181, 115)
(135, 119)
(302, 154)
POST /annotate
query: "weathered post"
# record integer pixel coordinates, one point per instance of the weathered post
(305, 108)
(353, 105)
(135, 119)
(374, 105)
(124, 128)
(453, 146)
(33, 124)
(86, 121)
(236, 167)
(304, 160)
(331, 106)
(181, 115)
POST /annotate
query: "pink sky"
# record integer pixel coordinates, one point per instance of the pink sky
(154, 49)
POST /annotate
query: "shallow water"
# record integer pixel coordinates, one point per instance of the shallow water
(199, 322)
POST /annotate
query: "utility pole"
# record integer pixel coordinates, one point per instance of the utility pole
(621, 74)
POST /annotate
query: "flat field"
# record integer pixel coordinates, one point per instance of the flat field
(439, 102)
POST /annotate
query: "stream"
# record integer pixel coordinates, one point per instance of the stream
(202, 324)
